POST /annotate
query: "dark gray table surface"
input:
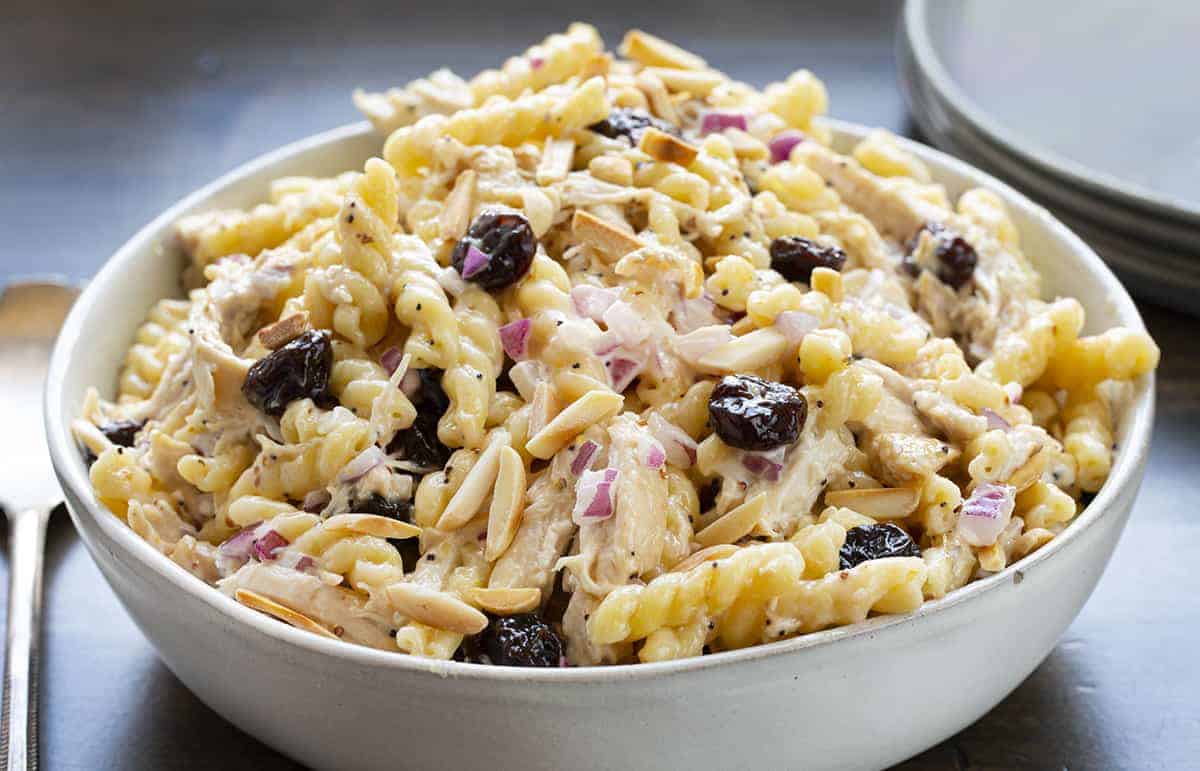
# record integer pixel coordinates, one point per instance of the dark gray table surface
(109, 113)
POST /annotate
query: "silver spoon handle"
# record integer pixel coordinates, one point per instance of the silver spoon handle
(26, 539)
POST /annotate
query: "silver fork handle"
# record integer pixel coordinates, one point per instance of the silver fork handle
(26, 539)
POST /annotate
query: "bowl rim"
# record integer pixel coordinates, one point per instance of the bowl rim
(914, 24)
(73, 474)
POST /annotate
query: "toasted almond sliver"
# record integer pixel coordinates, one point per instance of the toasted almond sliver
(282, 612)
(597, 64)
(655, 52)
(456, 212)
(878, 502)
(667, 148)
(283, 331)
(542, 407)
(749, 352)
(1030, 471)
(589, 409)
(695, 82)
(372, 524)
(746, 145)
(607, 239)
(508, 504)
(557, 155)
(437, 609)
(734, 524)
(718, 552)
(571, 385)
(503, 601)
(475, 486)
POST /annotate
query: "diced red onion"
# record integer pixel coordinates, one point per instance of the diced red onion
(236, 550)
(362, 464)
(266, 546)
(719, 120)
(986, 513)
(690, 315)
(994, 420)
(695, 344)
(621, 371)
(583, 459)
(391, 358)
(315, 501)
(536, 62)
(296, 561)
(768, 465)
(781, 144)
(592, 301)
(651, 451)
(594, 496)
(680, 448)
(410, 383)
(449, 280)
(514, 336)
(525, 375)
(626, 324)
(474, 262)
(796, 324)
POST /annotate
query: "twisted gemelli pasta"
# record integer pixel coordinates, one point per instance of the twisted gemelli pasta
(606, 359)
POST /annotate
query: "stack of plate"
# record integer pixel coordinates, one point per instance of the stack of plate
(1088, 106)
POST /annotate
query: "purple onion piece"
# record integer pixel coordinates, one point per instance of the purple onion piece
(986, 513)
(583, 459)
(994, 420)
(390, 359)
(622, 371)
(316, 501)
(266, 546)
(514, 337)
(719, 120)
(474, 262)
(594, 496)
(781, 144)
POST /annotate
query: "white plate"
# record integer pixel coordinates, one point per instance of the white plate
(862, 696)
(1094, 93)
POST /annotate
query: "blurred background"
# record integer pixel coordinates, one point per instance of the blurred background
(110, 112)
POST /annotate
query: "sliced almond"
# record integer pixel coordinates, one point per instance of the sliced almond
(476, 485)
(609, 240)
(695, 82)
(1030, 471)
(372, 524)
(542, 408)
(734, 524)
(746, 145)
(661, 103)
(653, 51)
(282, 612)
(557, 156)
(572, 384)
(284, 331)
(667, 148)
(436, 609)
(504, 602)
(589, 409)
(455, 216)
(717, 552)
(879, 502)
(508, 504)
(597, 64)
(749, 352)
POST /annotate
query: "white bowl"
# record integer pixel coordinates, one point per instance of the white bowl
(855, 697)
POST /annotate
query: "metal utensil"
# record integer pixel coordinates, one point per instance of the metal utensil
(31, 314)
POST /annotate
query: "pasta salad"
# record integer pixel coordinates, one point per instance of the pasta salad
(608, 358)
